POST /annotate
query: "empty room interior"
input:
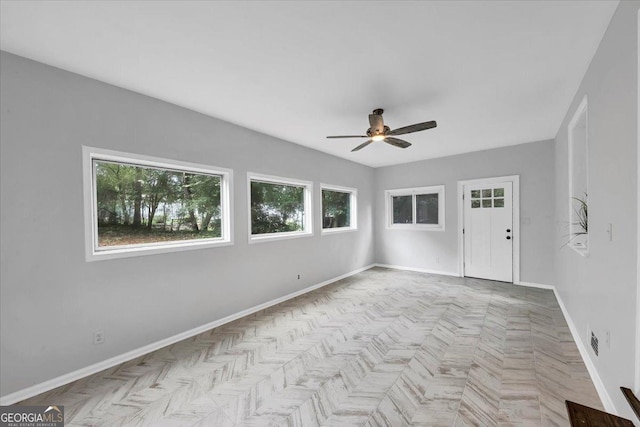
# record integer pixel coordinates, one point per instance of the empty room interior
(367, 213)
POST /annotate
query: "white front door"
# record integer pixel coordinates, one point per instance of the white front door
(488, 231)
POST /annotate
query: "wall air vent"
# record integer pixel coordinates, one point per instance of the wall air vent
(594, 343)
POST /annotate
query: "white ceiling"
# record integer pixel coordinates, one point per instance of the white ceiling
(491, 73)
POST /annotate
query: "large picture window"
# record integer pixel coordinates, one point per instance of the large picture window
(140, 205)
(416, 208)
(339, 208)
(278, 208)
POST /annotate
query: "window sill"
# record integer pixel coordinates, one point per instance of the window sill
(338, 230)
(582, 250)
(414, 227)
(152, 249)
(261, 238)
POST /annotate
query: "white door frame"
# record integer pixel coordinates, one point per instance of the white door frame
(515, 180)
(637, 373)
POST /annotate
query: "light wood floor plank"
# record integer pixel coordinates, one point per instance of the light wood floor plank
(381, 348)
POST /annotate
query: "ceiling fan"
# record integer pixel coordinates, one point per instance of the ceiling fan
(379, 132)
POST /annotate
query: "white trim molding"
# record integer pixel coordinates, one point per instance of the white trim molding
(593, 372)
(637, 373)
(417, 270)
(43, 387)
(515, 180)
(93, 253)
(535, 285)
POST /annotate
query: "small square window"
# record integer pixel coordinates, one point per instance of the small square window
(279, 208)
(475, 194)
(486, 193)
(338, 209)
(475, 204)
(498, 203)
(486, 203)
(498, 192)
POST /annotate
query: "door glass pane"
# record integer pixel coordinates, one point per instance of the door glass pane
(427, 208)
(402, 209)
(498, 203)
(475, 194)
(475, 204)
(498, 192)
(486, 203)
(486, 193)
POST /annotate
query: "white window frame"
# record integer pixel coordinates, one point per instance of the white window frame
(94, 253)
(580, 245)
(307, 229)
(434, 189)
(353, 207)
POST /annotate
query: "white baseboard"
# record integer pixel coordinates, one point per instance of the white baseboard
(419, 270)
(43, 387)
(536, 285)
(593, 372)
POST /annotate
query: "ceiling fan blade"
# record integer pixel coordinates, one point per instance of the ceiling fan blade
(361, 146)
(377, 123)
(413, 128)
(397, 142)
(348, 136)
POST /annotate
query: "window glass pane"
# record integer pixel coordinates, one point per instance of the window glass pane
(336, 209)
(498, 203)
(427, 208)
(486, 203)
(486, 193)
(475, 194)
(402, 209)
(475, 204)
(498, 192)
(276, 208)
(140, 204)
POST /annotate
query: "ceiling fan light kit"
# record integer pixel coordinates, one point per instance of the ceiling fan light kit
(380, 132)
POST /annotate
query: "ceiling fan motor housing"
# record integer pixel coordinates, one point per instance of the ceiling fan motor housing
(378, 132)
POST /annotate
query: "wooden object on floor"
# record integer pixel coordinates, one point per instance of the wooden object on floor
(632, 399)
(584, 416)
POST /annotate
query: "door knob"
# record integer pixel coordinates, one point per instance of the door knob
(508, 237)
(508, 230)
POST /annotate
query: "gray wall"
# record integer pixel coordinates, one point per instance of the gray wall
(438, 251)
(51, 300)
(600, 290)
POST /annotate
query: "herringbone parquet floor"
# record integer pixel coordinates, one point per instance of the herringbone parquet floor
(381, 348)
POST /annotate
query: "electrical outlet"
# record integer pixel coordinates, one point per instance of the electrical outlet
(98, 337)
